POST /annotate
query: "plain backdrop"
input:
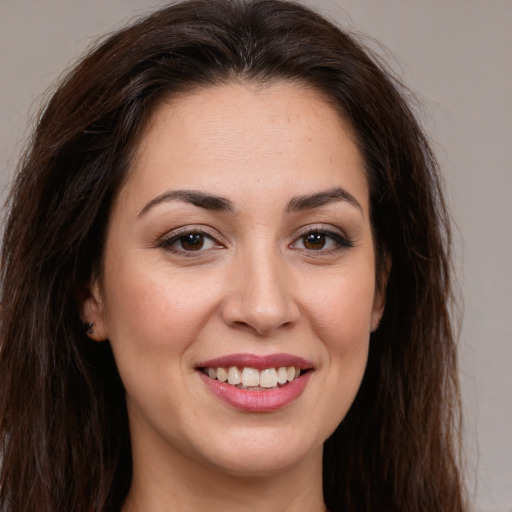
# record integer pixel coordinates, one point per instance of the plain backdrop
(456, 55)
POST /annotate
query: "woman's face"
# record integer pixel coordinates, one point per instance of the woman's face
(239, 248)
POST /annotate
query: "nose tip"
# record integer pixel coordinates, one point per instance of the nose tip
(261, 301)
(262, 320)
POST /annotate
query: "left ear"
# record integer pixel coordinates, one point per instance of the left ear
(379, 299)
(92, 312)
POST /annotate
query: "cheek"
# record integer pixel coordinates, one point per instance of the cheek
(342, 309)
(150, 310)
(341, 315)
(153, 319)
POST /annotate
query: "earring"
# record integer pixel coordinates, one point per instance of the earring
(88, 327)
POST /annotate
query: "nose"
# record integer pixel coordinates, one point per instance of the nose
(261, 296)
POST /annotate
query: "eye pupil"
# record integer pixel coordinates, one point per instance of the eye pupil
(314, 241)
(192, 242)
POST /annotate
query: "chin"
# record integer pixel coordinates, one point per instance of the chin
(263, 452)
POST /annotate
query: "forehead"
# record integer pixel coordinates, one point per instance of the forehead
(282, 136)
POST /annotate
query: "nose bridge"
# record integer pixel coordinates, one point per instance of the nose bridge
(262, 296)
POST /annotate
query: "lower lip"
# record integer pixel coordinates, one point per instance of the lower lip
(257, 401)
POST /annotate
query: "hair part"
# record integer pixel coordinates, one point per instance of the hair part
(64, 440)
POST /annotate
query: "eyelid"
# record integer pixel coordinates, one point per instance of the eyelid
(170, 237)
(336, 234)
(322, 228)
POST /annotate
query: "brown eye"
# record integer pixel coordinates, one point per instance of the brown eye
(192, 242)
(314, 241)
(322, 240)
(189, 241)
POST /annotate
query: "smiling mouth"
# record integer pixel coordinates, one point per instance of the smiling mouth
(252, 379)
(254, 383)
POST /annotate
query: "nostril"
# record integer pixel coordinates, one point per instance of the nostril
(241, 325)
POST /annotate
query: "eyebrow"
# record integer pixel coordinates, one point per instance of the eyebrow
(221, 204)
(194, 197)
(311, 201)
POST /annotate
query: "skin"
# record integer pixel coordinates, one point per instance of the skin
(256, 286)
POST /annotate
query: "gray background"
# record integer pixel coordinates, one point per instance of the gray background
(456, 55)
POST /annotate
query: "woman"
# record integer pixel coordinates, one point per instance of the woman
(226, 279)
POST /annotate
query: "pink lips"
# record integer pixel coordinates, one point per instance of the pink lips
(257, 401)
(257, 362)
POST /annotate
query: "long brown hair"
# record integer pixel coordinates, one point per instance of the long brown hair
(64, 440)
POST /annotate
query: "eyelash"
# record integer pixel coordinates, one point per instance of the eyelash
(169, 243)
(179, 235)
(340, 241)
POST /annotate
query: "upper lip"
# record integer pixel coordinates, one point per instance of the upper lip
(257, 362)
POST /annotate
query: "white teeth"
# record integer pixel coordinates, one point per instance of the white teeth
(250, 377)
(282, 375)
(268, 378)
(222, 375)
(234, 376)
